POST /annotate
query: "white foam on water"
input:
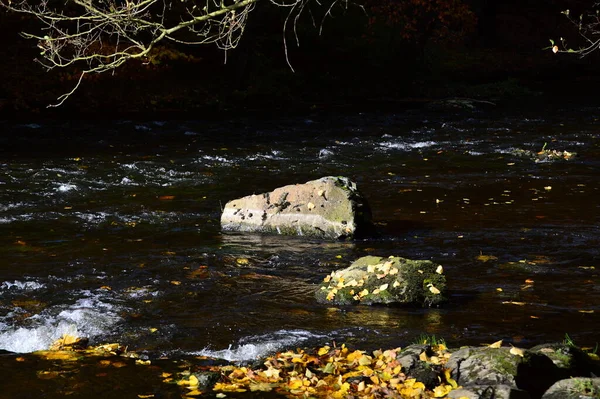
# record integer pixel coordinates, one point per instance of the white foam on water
(87, 317)
(258, 346)
(65, 187)
(21, 285)
(127, 181)
(407, 146)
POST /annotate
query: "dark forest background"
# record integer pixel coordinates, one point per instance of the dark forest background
(367, 57)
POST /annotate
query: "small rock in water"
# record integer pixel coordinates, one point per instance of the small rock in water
(376, 280)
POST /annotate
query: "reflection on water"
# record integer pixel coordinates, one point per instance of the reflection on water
(111, 231)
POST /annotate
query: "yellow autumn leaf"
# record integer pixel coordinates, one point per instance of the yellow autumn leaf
(383, 287)
(486, 258)
(294, 383)
(310, 206)
(496, 344)
(517, 351)
(361, 386)
(322, 351)
(441, 390)
(242, 261)
(449, 379)
(434, 290)
(363, 293)
(261, 386)
(194, 392)
(193, 381)
(439, 269)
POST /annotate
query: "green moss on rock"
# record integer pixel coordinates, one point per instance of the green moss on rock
(377, 280)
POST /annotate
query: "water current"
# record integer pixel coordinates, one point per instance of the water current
(110, 230)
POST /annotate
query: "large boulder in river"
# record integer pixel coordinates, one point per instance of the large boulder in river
(376, 280)
(330, 207)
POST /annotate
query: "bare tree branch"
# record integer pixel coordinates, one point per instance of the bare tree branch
(102, 35)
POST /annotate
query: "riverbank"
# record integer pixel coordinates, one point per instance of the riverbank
(428, 369)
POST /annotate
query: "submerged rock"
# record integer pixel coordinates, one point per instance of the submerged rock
(376, 280)
(330, 207)
(544, 155)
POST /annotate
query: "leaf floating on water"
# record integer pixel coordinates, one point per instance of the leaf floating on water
(586, 311)
(146, 396)
(141, 362)
(496, 344)
(514, 303)
(486, 258)
(242, 261)
(175, 282)
(69, 356)
(166, 197)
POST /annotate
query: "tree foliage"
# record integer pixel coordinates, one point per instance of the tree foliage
(96, 36)
(419, 21)
(588, 28)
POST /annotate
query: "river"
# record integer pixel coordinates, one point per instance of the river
(110, 230)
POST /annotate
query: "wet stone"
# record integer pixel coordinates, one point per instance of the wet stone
(330, 208)
(376, 280)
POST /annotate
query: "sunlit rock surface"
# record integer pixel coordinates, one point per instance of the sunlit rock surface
(574, 388)
(376, 280)
(330, 207)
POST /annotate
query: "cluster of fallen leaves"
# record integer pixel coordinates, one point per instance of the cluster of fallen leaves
(329, 372)
(335, 373)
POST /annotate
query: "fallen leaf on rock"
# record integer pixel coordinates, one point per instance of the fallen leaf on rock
(516, 351)
(496, 344)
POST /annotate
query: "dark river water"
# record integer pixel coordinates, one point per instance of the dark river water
(110, 230)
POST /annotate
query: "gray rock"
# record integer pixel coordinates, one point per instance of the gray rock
(330, 207)
(376, 280)
(488, 392)
(568, 360)
(484, 366)
(574, 388)
(414, 367)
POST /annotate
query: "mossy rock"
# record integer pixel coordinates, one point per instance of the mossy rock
(544, 155)
(484, 366)
(574, 388)
(377, 280)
